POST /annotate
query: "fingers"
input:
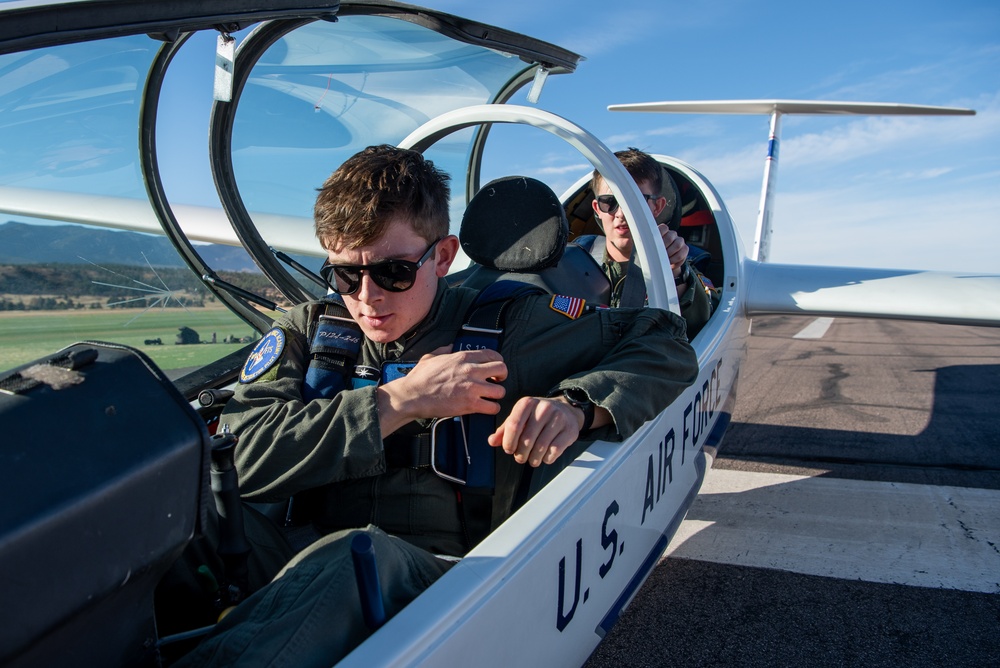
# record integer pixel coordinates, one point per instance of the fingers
(444, 383)
(483, 356)
(486, 364)
(537, 430)
(676, 247)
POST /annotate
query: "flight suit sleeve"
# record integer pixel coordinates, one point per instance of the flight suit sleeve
(696, 306)
(286, 444)
(631, 362)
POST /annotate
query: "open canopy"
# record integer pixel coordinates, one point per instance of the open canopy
(303, 88)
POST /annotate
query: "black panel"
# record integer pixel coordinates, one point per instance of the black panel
(102, 484)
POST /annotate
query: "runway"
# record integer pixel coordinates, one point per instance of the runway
(852, 516)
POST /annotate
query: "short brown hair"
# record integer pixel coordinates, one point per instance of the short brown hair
(373, 188)
(640, 165)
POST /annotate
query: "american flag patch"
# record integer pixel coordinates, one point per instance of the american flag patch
(571, 307)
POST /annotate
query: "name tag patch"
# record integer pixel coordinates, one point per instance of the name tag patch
(265, 355)
(336, 336)
(395, 370)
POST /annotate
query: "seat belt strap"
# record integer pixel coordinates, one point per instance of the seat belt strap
(483, 329)
(333, 351)
(634, 290)
(334, 344)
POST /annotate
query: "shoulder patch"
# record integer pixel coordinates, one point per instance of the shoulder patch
(264, 356)
(571, 307)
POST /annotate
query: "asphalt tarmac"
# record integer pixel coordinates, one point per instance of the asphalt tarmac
(852, 517)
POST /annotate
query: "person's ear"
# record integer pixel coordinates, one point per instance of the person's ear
(658, 205)
(445, 254)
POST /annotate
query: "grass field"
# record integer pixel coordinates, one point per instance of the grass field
(28, 335)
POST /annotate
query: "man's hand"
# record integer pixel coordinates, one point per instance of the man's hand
(443, 384)
(538, 430)
(676, 247)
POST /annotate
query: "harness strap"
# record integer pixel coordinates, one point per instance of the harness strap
(483, 329)
(634, 287)
(333, 352)
(334, 345)
(408, 451)
(596, 250)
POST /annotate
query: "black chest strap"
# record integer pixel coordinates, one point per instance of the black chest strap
(483, 329)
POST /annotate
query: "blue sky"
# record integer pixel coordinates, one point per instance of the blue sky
(899, 192)
(881, 191)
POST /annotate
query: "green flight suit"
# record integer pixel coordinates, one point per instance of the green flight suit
(632, 362)
(695, 304)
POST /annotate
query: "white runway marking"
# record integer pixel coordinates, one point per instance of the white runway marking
(920, 535)
(815, 329)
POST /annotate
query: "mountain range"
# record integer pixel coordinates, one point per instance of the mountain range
(22, 243)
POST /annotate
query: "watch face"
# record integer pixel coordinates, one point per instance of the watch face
(576, 397)
(684, 276)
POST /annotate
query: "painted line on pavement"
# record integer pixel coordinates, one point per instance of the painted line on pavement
(900, 533)
(815, 329)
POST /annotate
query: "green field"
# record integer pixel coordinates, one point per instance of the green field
(25, 336)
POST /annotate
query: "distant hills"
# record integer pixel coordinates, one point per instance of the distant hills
(21, 243)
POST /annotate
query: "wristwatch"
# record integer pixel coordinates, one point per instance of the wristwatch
(578, 399)
(684, 276)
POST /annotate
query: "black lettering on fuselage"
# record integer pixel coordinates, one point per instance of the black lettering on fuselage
(686, 433)
(609, 539)
(717, 374)
(563, 620)
(648, 502)
(666, 462)
(698, 418)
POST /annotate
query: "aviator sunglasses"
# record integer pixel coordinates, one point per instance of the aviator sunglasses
(391, 275)
(609, 203)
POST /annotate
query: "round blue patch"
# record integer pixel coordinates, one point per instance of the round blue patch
(265, 355)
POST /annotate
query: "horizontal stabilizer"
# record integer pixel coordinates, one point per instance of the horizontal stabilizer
(933, 296)
(791, 107)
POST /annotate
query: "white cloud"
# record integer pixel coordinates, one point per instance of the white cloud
(942, 230)
(870, 136)
(932, 80)
(900, 192)
(729, 170)
(700, 127)
(624, 139)
(574, 170)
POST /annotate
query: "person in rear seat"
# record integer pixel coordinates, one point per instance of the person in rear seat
(615, 254)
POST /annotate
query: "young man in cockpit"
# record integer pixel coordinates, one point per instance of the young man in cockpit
(342, 430)
(696, 307)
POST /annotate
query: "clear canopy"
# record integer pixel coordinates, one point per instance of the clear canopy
(72, 157)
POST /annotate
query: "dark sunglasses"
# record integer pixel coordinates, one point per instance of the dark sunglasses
(391, 275)
(609, 203)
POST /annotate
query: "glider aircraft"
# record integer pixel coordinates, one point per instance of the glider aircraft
(104, 466)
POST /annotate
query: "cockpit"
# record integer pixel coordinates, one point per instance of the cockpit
(103, 128)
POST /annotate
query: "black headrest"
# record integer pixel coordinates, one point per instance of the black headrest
(514, 223)
(671, 214)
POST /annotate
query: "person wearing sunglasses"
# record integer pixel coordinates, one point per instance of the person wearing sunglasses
(618, 246)
(382, 217)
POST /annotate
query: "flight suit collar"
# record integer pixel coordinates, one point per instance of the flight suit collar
(439, 327)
